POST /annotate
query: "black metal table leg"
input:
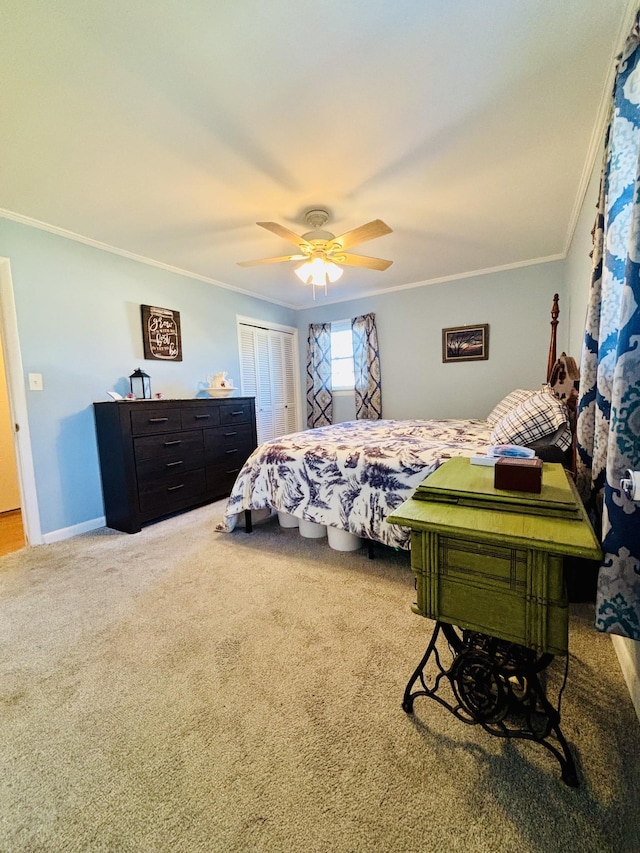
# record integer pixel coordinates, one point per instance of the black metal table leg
(407, 701)
(494, 683)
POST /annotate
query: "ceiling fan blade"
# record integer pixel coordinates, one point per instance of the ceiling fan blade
(272, 260)
(376, 228)
(361, 261)
(283, 232)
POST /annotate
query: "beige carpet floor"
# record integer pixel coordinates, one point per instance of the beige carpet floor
(188, 690)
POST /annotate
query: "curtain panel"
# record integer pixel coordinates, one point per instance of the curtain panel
(609, 406)
(319, 396)
(366, 365)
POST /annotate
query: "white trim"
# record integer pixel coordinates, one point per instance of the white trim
(70, 235)
(265, 324)
(589, 164)
(105, 247)
(74, 530)
(456, 277)
(601, 121)
(10, 342)
(626, 651)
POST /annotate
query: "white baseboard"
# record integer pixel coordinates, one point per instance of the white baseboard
(74, 530)
(628, 652)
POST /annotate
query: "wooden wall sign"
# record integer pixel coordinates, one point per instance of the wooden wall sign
(161, 333)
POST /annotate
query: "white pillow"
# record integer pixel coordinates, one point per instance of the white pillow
(507, 404)
(539, 415)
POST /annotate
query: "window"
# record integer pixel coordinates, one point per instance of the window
(342, 376)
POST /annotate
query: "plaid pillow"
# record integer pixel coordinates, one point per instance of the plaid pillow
(538, 416)
(508, 403)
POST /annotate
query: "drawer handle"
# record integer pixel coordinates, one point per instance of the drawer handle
(202, 417)
(175, 488)
(235, 450)
(172, 443)
(233, 414)
(171, 464)
(158, 420)
(229, 434)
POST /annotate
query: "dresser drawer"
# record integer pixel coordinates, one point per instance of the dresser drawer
(169, 446)
(235, 440)
(200, 417)
(151, 469)
(170, 494)
(146, 421)
(236, 412)
(220, 478)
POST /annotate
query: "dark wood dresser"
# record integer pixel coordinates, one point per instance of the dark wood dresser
(158, 457)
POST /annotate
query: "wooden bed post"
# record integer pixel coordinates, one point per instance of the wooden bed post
(563, 377)
(555, 311)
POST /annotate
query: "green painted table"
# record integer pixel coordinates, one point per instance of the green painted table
(488, 566)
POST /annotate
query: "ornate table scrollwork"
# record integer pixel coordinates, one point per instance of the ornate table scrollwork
(495, 684)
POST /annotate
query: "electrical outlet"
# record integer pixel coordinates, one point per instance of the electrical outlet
(35, 382)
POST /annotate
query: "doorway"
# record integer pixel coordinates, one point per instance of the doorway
(11, 528)
(20, 518)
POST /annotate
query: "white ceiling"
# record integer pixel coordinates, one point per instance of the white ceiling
(166, 129)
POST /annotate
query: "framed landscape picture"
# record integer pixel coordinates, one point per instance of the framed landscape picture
(466, 343)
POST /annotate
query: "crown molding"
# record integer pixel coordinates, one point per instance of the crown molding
(123, 253)
(601, 122)
(457, 277)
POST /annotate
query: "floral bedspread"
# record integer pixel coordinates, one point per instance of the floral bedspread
(351, 475)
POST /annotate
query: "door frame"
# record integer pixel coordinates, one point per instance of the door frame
(10, 341)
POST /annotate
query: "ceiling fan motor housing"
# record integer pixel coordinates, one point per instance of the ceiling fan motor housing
(315, 219)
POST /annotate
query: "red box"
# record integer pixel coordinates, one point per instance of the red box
(518, 475)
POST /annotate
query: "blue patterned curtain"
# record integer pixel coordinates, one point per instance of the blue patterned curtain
(609, 406)
(366, 364)
(319, 396)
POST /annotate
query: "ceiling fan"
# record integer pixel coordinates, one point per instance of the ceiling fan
(321, 251)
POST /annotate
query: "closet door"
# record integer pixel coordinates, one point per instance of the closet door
(267, 366)
(281, 372)
(254, 376)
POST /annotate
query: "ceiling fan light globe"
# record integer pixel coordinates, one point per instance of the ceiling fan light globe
(304, 272)
(333, 272)
(317, 271)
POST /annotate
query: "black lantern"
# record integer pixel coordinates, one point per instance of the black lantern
(140, 385)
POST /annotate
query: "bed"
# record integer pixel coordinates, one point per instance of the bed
(352, 476)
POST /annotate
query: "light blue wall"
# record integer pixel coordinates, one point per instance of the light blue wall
(78, 311)
(415, 383)
(578, 262)
(79, 325)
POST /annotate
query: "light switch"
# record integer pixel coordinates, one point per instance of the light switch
(35, 382)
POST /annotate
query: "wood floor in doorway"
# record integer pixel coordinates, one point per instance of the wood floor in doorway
(11, 532)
